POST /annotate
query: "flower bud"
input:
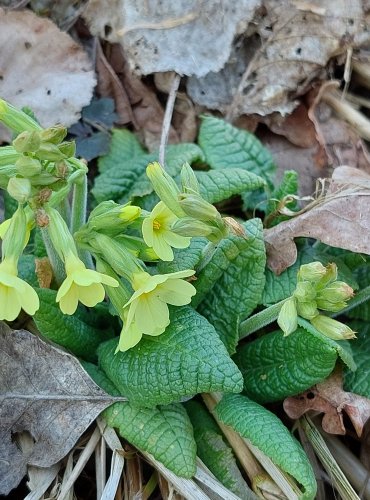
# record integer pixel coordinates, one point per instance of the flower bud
(307, 310)
(112, 218)
(304, 291)
(28, 167)
(287, 319)
(129, 213)
(338, 291)
(16, 235)
(329, 276)
(332, 328)
(311, 272)
(189, 181)
(15, 119)
(55, 134)
(8, 155)
(194, 206)
(165, 187)
(68, 149)
(187, 226)
(325, 305)
(19, 189)
(27, 142)
(50, 152)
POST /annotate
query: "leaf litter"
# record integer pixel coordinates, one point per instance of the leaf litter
(45, 392)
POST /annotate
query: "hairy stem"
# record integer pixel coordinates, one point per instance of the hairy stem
(261, 319)
(78, 215)
(55, 261)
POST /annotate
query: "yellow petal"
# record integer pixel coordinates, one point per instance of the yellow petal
(68, 303)
(10, 303)
(91, 295)
(151, 314)
(129, 338)
(30, 300)
(161, 248)
(86, 277)
(147, 230)
(176, 292)
(108, 280)
(64, 288)
(175, 240)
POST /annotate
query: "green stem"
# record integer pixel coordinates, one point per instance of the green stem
(207, 254)
(261, 319)
(78, 215)
(55, 261)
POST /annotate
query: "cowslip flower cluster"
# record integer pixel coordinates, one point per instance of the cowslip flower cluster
(317, 290)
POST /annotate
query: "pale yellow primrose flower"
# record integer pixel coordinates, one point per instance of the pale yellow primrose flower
(81, 284)
(157, 232)
(15, 294)
(148, 310)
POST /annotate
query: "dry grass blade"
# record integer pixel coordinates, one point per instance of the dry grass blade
(134, 476)
(205, 477)
(100, 466)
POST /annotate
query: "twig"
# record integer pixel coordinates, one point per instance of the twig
(168, 117)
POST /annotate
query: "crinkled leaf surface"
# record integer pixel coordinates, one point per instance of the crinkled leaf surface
(187, 359)
(60, 79)
(275, 366)
(71, 332)
(45, 392)
(189, 37)
(164, 431)
(231, 284)
(340, 219)
(227, 147)
(186, 258)
(265, 431)
(214, 451)
(218, 185)
(125, 179)
(124, 146)
(359, 381)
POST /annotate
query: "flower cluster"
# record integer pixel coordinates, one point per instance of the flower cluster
(317, 289)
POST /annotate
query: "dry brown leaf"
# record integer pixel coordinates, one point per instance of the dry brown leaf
(42, 68)
(340, 219)
(190, 37)
(44, 272)
(46, 393)
(147, 111)
(329, 397)
(298, 43)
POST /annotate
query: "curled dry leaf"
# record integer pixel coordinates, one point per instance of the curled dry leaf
(190, 37)
(340, 219)
(299, 38)
(329, 398)
(46, 393)
(42, 68)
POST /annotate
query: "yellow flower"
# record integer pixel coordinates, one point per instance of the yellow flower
(148, 312)
(81, 284)
(157, 232)
(131, 335)
(15, 294)
(4, 226)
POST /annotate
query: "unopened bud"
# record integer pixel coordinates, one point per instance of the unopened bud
(304, 291)
(55, 134)
(332, 328)
(311, 272)
(165, 187)
(325, 305)
(287, 319)
(235, 227)
(189, 181)
(194, 206)
(15, 119)
(28, 167)
(19, 189)
(129, 213)
(49, 152)
(27, 142)
(68, 148)
(338, 291)
(307, 310)
(187, 226)
(330, 276)
(62, 169)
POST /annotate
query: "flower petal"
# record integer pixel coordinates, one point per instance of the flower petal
(175, 240)
(180, 274)
(151, 314)
(147, 230)
(68, 302)
(10, 303)
(64, 288)
(176, 292)
(129, 338)
(91, 295)
(108, 280)
(86, 277)
(161, 248)
(30, 300)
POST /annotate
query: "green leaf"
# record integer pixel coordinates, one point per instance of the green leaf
(230, 285)
(362, 311)
(126, 179)
(186, 258)
(124, 146)
(359, 381)
(165, 431)
(214, 451)
(10, 205)
(218, 185)
(70, 332)
(186, 359)
(265, 431)
(287, 186)
(26, 270)
(275, 367)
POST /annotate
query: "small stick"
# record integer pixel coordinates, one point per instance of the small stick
(168, 117)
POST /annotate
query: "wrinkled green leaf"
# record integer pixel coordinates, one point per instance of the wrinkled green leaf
(124, 147)
(187, 359)
(359, 381)
(265, 431)
(165, 431)
(275, 366)
(70, 332)
(362, 311)
(26, 270)
(214, 451)
(288, 185)
(230, 285)
(218, 185)
(186, 258)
